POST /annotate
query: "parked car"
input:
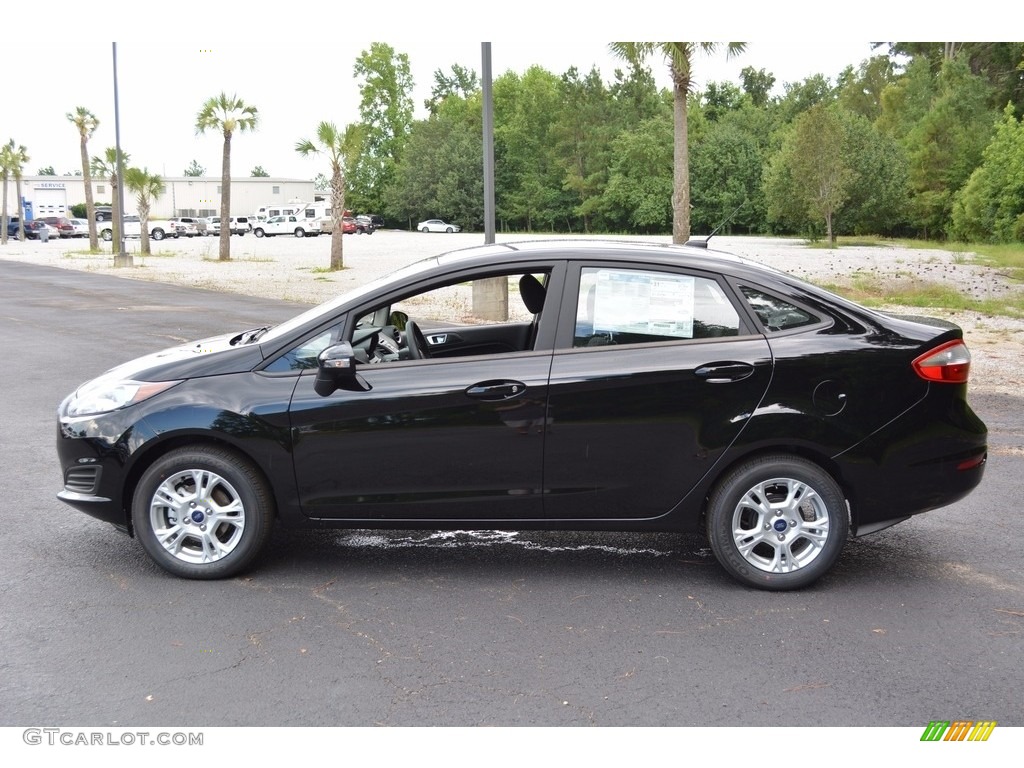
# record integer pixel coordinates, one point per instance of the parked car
(81, 227)
(61, 224)
(239, 226)
(349, 225)
(186, 226)
(364, 225)
(287, 225)
(36, 229)
(436, 225)
(158, 228)
(633, 388)
(104, 213)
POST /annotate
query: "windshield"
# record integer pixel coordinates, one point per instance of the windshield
(329, 307)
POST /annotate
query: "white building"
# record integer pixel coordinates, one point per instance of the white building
(184, 196)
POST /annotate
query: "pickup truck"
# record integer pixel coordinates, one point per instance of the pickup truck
(158, 228)
(287, 225)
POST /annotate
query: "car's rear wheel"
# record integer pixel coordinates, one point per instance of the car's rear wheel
(258, 232)
(425, 229)
(202, 513)
(158, 234)
(300, 232)
(107, 235)
(777, 522)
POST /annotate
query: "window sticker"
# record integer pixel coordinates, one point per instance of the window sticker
(644, 302)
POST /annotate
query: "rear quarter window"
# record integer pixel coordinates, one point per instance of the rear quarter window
(777, 314)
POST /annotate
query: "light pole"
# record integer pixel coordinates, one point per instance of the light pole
(122, 259)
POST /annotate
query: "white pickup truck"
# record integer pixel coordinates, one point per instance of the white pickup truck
(158, 228)
(287, 225)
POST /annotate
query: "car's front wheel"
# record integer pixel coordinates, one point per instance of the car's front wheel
(300, 232)
(202, 513)
(158, 234)
(425, 229)
(107, 235)
(258, 232)
(777, 522)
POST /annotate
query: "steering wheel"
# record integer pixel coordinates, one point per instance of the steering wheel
(415, 342)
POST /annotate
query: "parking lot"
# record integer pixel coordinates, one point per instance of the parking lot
(919, 622)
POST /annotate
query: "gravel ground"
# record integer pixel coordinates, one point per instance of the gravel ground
(296, 270)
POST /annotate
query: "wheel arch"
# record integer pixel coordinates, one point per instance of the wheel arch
(155, 451)
(821, 460)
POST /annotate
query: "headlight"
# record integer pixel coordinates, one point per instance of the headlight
(103, 395)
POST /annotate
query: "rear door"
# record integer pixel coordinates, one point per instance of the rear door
(654, 375)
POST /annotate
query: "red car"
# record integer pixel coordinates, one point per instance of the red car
(349, 226)
(62, 224)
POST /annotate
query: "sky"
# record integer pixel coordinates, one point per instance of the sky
(296, 84)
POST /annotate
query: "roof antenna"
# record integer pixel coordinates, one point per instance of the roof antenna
(703, 242)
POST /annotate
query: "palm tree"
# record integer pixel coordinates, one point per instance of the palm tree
(13, 159)
(106, 167)
(86, 123)
(147, 187)
(6, 161)
(679, 57)
(330, 142)
(226, 115)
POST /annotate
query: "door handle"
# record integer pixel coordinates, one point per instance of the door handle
(496, 390)
(725, 372)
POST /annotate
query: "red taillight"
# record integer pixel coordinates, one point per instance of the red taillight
(949, 363)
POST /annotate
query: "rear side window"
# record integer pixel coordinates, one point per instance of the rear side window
(628, 306)
(777, 314)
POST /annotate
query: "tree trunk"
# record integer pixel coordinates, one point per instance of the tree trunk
(90, 205)
(225, 201)
(680, 165)
(337, 215)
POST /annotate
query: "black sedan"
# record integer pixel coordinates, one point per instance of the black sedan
(546, 385)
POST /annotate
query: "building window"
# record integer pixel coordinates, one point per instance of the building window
(218, 189)
(101, 189)
(275, 190)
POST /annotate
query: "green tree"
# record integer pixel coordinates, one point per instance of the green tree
(639, 191)
(227, 115)
(441, 172)
(106, 166)
(757, 84)
(147, 188)
(258, 172)
(86, 123)
(725, 175)
(461, 83)
(330, 142)
(946, 144)
(386, 114)
(46, 171)
(13, 158)
(195, 169)
(990, 207)
(679, 57)
(808, 180)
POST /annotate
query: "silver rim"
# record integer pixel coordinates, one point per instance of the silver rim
(197, 516)
(780, 525)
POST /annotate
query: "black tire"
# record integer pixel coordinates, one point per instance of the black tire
(300, 232)
(158, 234)
(449, 230)
(227, 522)
(258, 232)
(425, 229)
(777, 522)
(107, 235)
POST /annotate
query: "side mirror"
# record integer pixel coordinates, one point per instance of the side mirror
(398, 319)
(336, 369)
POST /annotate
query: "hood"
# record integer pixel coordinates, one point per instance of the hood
(211, 356)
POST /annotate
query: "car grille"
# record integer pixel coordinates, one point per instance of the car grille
(82, 479)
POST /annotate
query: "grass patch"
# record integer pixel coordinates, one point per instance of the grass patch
(909, 292)
(326, 270)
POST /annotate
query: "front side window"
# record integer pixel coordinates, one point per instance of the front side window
(628, 306)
